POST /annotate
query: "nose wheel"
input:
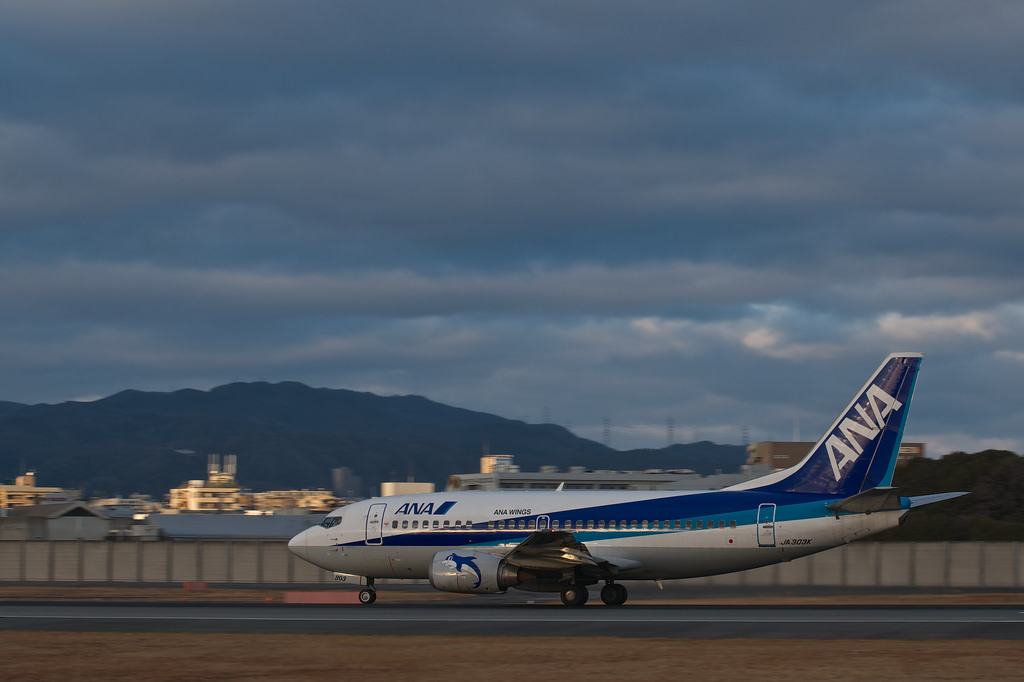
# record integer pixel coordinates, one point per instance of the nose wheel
(368, 595)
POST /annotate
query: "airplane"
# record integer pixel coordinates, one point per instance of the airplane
(567, 540)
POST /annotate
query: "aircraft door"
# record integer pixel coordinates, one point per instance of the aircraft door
(374, 524)
(543, 522)
(766, 525)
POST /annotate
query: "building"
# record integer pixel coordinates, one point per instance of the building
(224, 526)
(304, 501)
(25, 493)
(490, 464)
(126, 507)
(218, 493)
(909, 452)
(784, 454)
(345, 484)
(502, 474)
(388, 488)
(69, 521)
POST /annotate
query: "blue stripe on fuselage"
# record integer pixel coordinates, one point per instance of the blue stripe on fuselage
(738, 506)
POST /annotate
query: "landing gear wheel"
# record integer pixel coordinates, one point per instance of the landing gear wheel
(614, 594)
(367, 596)
(575, 595)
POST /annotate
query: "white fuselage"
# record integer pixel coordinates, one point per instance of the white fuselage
(665, 534)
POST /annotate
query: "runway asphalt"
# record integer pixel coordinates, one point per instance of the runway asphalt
(504, 619)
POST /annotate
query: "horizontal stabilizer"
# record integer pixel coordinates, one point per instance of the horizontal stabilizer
(876, 499)
(922, 500)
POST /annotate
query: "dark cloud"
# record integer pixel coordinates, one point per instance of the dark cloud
(724, 214)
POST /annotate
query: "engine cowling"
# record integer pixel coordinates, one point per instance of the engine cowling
(460, 571)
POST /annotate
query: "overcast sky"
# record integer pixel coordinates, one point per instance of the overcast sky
(720, 216)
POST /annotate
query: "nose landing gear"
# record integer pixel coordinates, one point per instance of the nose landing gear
(368, 595)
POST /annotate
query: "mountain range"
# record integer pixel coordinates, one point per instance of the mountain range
(289, 435)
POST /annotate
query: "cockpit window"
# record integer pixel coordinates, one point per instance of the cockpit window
(330, 522)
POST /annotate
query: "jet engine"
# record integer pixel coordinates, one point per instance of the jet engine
(460, 571)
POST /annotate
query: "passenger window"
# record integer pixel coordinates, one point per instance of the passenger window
(579, 525)
(590, 525)
(532, 524)
(700, 525)
(721, 524)
(501, 525)
(643, 524)
(415, 523)
(436, 524)
(405, 523)
(623, 525)
(490, 525)
(554, 525)
(689, 525)
(732, 524)
(600, 524)
(678, 525)
(447, 523)
(458, 523)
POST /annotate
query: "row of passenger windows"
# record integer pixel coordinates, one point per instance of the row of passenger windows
(437, 524)
(531, 524)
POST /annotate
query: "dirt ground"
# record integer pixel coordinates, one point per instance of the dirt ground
(164, 657)
(159, 658)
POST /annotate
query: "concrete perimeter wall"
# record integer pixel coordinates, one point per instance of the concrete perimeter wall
(861, 564)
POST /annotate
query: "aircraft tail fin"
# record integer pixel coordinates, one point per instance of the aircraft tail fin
(859, 451)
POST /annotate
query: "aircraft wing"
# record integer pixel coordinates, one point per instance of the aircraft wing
(555, 549)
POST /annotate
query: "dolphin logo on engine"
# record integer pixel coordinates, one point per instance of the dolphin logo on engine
(459, 563)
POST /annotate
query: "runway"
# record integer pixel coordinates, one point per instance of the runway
(519, 619)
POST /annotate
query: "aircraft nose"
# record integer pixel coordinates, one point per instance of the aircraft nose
(297, 545)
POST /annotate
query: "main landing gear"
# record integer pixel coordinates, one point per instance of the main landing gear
(368, 595)
(575, 595)
(612, 594)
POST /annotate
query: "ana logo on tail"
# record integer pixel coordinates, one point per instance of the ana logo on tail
(874, 415)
